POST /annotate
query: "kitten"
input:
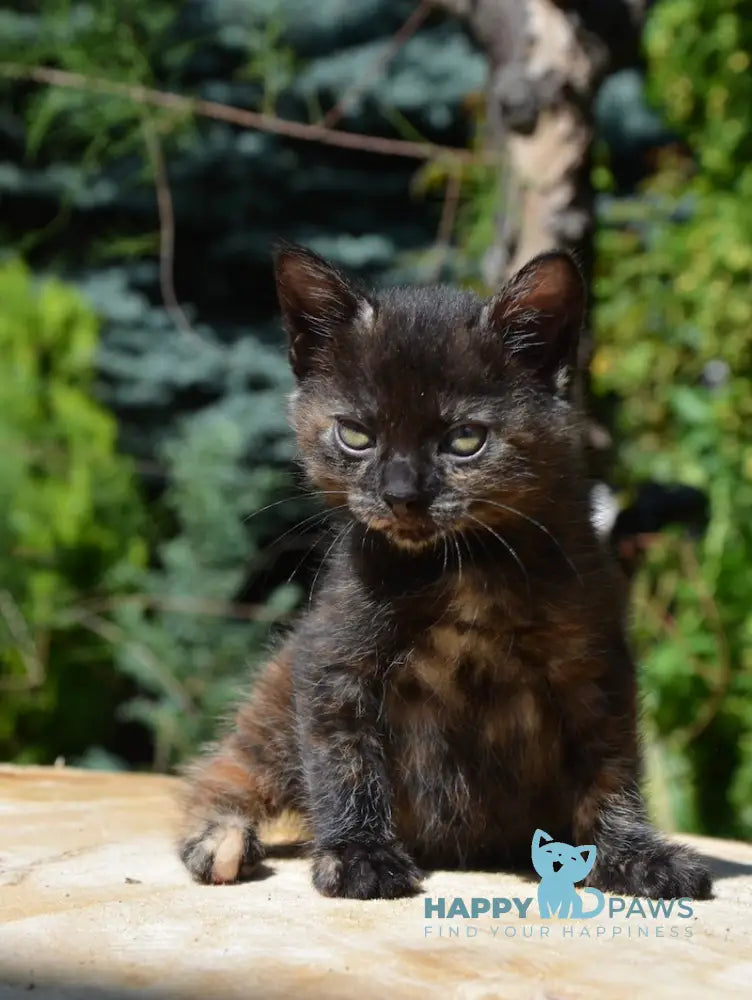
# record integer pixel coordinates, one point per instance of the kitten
(462, 676)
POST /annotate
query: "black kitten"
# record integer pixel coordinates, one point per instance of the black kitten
(462, 677)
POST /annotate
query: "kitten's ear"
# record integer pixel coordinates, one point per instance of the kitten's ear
(541, 837)
(316, 299)
(539, 314)
(587, 853)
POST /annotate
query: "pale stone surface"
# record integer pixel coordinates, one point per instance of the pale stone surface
(95, 905)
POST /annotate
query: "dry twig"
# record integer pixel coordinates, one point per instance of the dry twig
(408, 29)
(166, 231)
(308, 132)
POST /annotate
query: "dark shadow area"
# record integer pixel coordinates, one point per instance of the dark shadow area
(297, 849)
(721, 868)
(274, 852)
(13, 987)
(64, 989)
(258, 873)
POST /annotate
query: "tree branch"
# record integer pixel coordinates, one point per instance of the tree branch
(166, 231)
(242, 117)
(408, 29)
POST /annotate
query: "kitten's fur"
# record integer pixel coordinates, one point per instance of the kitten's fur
(462, 675)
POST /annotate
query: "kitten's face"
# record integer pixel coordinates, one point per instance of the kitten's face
(428, 412)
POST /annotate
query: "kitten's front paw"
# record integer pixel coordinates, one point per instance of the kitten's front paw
(359, 872)
(661, 871)
(222, 851)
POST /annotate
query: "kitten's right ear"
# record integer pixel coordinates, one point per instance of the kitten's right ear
(539, 314)
(316, 299)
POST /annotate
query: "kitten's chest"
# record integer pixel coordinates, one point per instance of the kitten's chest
(475, 736)
(471, 677)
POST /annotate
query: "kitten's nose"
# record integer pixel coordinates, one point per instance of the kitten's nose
(400, 488)
(402, 503)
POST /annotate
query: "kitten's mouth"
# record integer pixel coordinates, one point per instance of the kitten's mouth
(557, 865)
(410, 534)
(413, 539)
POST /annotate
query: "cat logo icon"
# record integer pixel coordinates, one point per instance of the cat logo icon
(560, 865)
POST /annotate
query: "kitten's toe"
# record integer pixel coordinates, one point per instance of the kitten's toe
(661, 871)
(359, 872)
(222, 851)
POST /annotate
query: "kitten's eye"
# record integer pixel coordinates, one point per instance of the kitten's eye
(353, 437)
(465, 441)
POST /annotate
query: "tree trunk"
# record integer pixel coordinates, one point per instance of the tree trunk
(546, 61)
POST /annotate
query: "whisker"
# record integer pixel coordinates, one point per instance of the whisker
(541, 527)
(309, 550)
(470, 555)
(303, 495)
(510, 549)
(459, 554)
(347, 528)
(300, 562)
(320, 514)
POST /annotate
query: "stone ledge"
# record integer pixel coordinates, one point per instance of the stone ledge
(94, 905)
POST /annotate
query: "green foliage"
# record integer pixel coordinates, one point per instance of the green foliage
(70, 521)
(186, 639)
(673, 325)
(200, 406)
(700, 59)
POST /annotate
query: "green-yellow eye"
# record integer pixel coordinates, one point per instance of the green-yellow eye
(465, 441)
(352, 436)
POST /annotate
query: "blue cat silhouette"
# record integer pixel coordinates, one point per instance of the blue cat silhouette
(560, 866)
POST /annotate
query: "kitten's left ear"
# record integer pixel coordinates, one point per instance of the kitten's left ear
(316, 301)
(539, 314)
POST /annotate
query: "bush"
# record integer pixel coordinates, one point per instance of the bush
(673, 323)
(187, 638)
(200, 402)
(70, 522)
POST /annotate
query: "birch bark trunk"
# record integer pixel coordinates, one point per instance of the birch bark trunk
(546, 60)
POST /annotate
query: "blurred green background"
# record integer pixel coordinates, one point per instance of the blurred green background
(153, 534)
